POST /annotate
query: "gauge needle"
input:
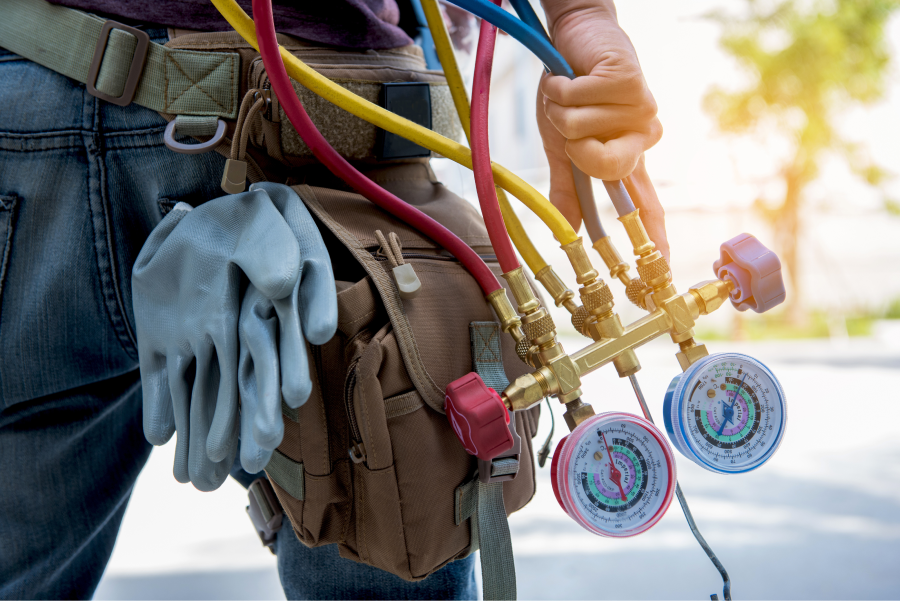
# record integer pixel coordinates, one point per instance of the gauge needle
(728, 412)
(614, 474)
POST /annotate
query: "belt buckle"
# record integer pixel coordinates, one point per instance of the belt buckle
(487, 469)
(265, 511)
(134, 71)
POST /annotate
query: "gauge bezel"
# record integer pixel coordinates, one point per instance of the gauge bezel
(674, 404)
(563, 456)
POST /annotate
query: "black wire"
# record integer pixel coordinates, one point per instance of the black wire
(544, 451)
(726, 580)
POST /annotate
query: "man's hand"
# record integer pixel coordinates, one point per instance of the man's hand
(606, 118)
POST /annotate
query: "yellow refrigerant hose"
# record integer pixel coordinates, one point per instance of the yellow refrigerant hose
(350, 102)
(447, 57)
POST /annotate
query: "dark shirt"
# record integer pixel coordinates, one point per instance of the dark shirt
(346, 23)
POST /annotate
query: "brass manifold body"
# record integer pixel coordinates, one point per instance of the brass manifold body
(559, 374)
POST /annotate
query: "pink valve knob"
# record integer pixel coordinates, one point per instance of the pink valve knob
(479, 417)
(755, 272)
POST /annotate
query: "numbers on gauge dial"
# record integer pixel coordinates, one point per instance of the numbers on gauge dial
(732, 413)
(619, 477)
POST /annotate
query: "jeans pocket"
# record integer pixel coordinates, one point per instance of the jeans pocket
(8, 206)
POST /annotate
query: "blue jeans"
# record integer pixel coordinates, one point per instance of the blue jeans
(82, 184)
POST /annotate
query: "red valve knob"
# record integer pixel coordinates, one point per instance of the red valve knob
(479, 417)
(755, 272)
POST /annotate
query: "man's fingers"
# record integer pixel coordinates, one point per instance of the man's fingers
(614, 159)
(562, 190)
(562, 184)
(643, 194)
(600, 121)
(615, 88)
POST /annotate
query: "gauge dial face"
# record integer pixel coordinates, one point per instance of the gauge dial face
(726, 413)
(614, 475)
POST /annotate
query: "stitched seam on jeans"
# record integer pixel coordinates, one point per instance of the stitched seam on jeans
(9, 204)
(108, 282)
(113, 263)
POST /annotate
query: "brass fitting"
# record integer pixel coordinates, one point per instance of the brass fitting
(521, 291)
(557, 376)
(584, 271)
(610, 326)
(618, 268)
(690, 353)
(576, 412)
(710, 295)
(652, 267)
(602, 322)
(539, 329)
(579, 318)
(637, 292)
(634, 227)
(596, 297)
(509, 320)
(557, 289)
(526, 391)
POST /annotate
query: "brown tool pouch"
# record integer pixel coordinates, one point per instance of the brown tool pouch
(370, 461)
(379, 462)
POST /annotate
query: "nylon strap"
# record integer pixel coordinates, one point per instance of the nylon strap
(287, 473)
(483, 502)
(180, 82)
(486, 355)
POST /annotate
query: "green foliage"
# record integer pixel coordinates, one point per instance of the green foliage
(805, 65)
(893, 310)
(807, 60)
(780, 326)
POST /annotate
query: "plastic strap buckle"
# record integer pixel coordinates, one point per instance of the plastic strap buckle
(265, 511)
(134, 71)
(506, 466)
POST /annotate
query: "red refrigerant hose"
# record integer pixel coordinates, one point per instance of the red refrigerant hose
(328, 156)
(481, 150)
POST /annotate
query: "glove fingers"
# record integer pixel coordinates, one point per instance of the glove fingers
(205, 474)
(253, 458)
(296, 384)
(318, 298)
(267, 250)
(224, 426)
(259, 373)
(156, 239)
(158, 415)
(179, 376)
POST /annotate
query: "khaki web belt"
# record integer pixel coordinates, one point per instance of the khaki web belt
(119, 63)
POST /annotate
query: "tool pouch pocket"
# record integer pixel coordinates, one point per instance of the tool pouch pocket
(378, 457)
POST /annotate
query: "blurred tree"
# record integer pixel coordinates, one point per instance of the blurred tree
(807, 61)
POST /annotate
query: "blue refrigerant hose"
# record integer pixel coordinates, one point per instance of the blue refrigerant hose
(530, 32)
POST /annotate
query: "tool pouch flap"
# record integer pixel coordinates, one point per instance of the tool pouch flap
(380, 460)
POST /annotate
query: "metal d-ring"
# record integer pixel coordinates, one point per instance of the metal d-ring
(169, 139)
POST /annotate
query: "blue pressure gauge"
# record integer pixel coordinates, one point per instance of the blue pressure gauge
(726, 413)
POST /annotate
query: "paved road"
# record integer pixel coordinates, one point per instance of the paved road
(819, 521)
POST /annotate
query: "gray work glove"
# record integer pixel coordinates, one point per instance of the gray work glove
(186, 286)
(274, 364)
